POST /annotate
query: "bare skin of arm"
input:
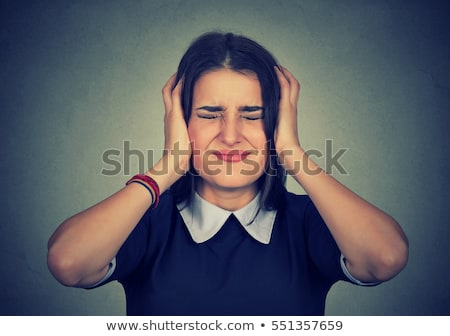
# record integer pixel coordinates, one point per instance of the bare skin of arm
(373, 243)
(82, 247)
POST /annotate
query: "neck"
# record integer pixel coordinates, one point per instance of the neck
(230, 199)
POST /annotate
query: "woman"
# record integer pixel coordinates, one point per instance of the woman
(211, 229)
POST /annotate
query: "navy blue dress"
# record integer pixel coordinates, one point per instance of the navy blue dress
(164, 272)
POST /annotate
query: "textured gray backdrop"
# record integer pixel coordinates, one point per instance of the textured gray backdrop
(78, 78)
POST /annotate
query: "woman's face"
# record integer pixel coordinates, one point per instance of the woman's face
(226, 129)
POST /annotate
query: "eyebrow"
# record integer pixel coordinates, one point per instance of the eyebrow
(245, 108)
(251, 108)
(211, 108)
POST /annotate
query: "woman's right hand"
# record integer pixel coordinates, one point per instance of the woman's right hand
(177, 147)
(83, 246)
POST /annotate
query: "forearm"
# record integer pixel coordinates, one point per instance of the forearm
(372, 242)
(82, 247)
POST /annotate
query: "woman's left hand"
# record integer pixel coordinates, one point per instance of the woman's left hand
(286, 132)
(373, 243)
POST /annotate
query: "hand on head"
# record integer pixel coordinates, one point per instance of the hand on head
(177, 144)
(286, 132)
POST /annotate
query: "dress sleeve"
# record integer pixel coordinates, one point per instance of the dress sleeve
(130, 253)
(322, 247)
(324, 251)
(133, 250)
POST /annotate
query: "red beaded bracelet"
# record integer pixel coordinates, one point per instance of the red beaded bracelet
(150, 184)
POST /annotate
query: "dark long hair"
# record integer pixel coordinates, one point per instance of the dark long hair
(215, 50)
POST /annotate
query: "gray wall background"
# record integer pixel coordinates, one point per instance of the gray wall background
(80, 77)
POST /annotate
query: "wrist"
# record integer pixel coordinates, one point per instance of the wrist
(165, 172)
(148, 183)
(292, 158)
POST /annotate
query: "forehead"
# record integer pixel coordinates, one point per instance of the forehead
(226, 84)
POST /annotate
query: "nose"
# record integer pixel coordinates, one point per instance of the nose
(231, 131)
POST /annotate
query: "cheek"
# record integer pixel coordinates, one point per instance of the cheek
(200, 137)
(197, 137)
(203, 133)
(259, 143)
(256, 136)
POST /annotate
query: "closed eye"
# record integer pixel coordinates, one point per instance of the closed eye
(252, 116)
(247, 117)
(246, 112)
(252, 112)
(209, 112)
(209, 115)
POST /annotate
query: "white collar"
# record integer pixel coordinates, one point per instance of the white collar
(209, 219)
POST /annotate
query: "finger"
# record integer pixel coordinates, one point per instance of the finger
(289, 97)
(294, 85)
(176, 97)
(167, 93)
(285, 88)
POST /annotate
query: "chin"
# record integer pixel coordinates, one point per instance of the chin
(232, 182)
